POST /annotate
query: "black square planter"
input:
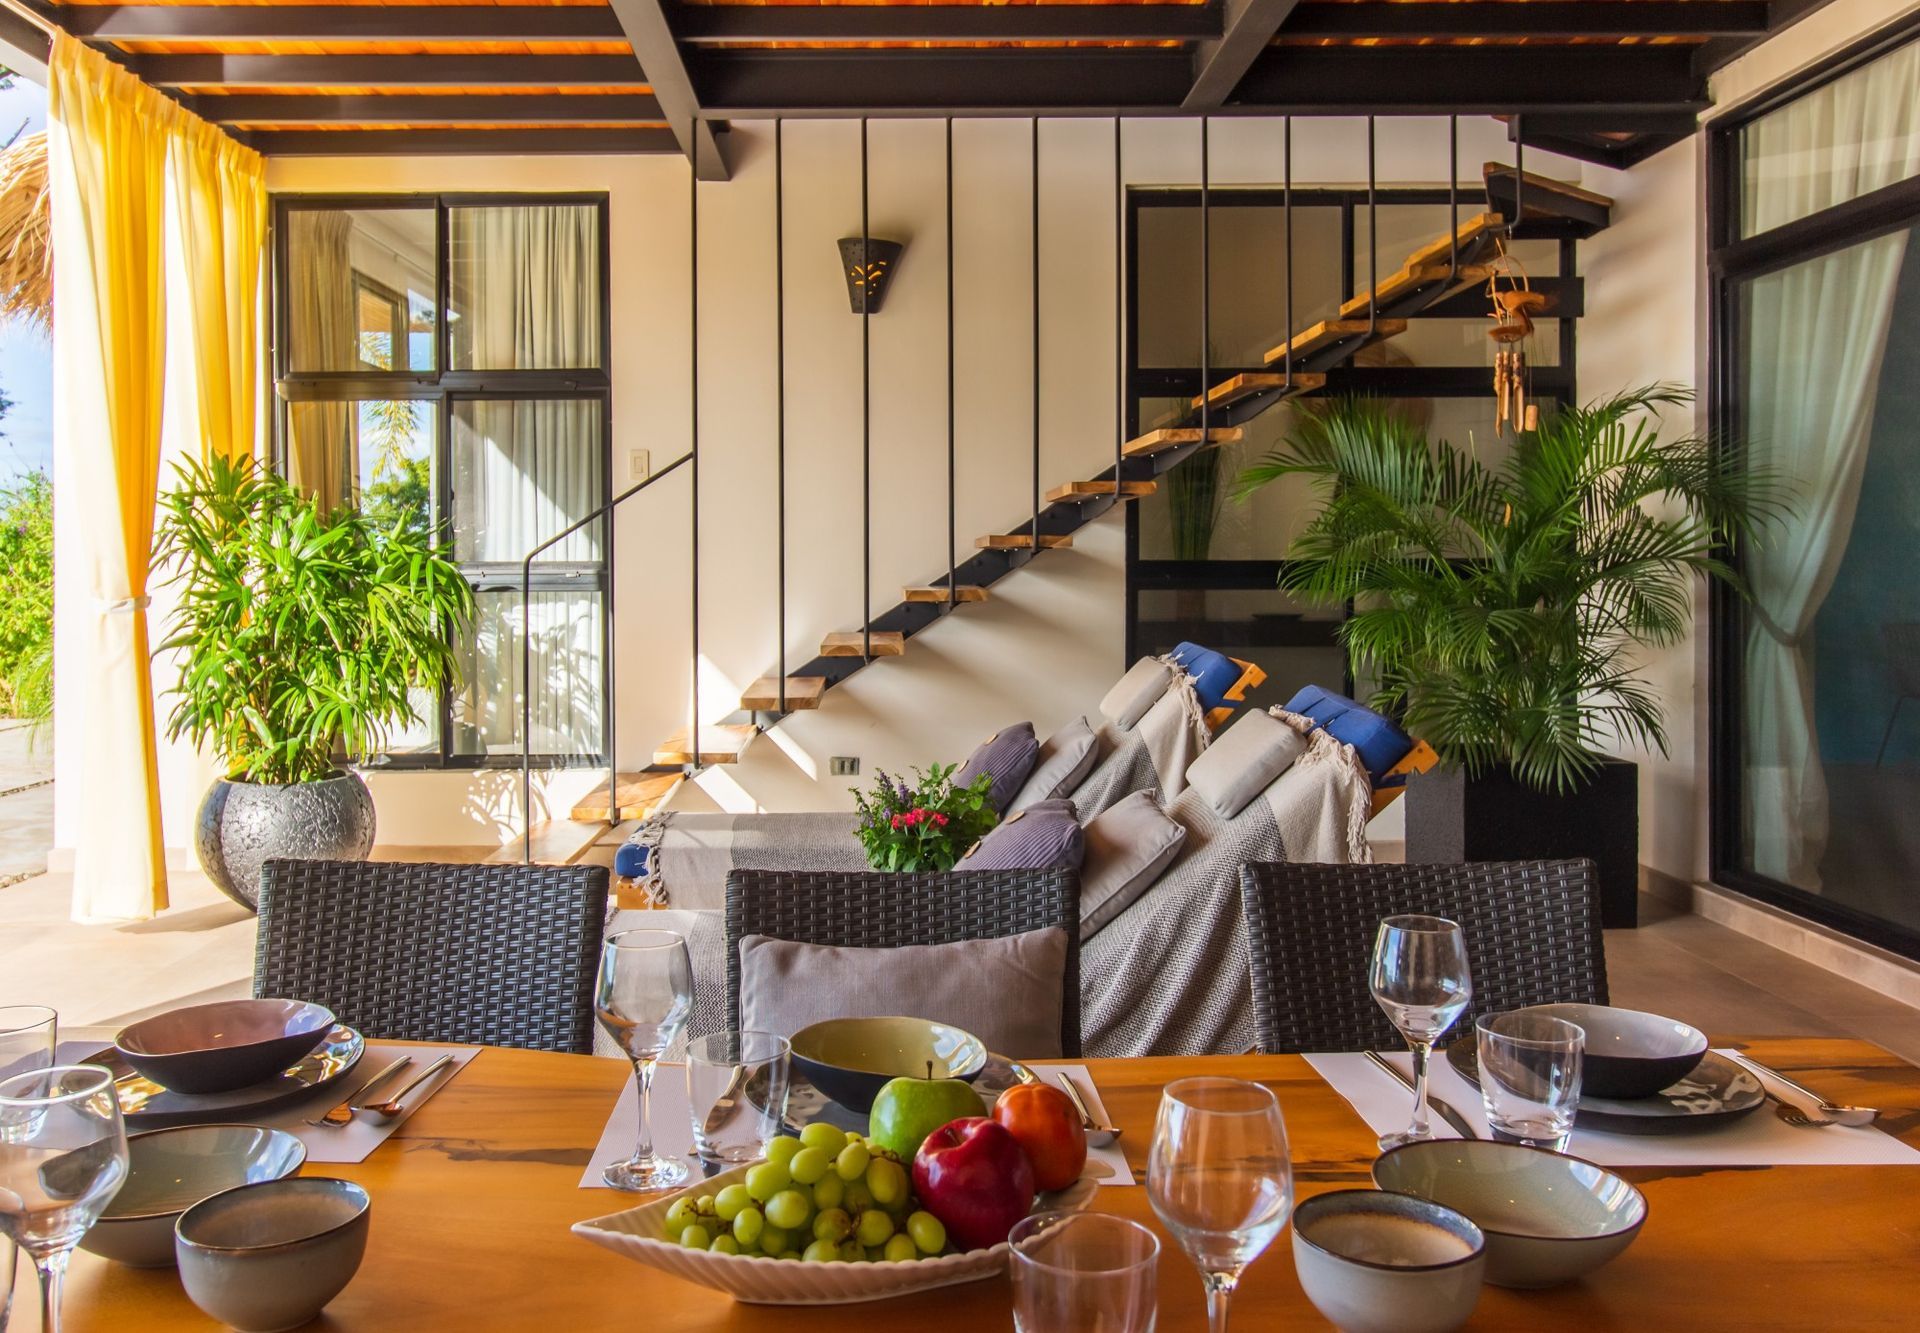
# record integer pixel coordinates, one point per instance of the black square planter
(1453, 818)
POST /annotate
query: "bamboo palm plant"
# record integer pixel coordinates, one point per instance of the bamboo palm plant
(1500, 608)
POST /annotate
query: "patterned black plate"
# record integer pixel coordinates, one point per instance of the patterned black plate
(1716, 1093)
(146, 1105)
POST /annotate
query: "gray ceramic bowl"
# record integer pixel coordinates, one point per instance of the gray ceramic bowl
(225, 1045)
(170, 1170)
(851, 1059)
(1630, 1054)
(264, 1258)
(1376, 1262)
(1548, 1218)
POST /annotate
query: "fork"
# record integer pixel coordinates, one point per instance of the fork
(342, 1114)
(1822, 1114)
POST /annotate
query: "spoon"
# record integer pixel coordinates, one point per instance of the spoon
(392, 1106)
(1823, 1111)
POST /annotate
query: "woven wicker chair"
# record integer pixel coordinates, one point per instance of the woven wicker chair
(1532, 928)
(499, 955)
(866, 909)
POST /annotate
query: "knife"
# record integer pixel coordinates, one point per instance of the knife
(1444, 1109)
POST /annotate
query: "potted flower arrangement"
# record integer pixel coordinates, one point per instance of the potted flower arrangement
(304, 636)
(925, 826)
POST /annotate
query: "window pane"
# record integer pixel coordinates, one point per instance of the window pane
(524, 286)
(360, 285)
(1850, 137)
(377, 453)
(523, 469)
(566, 674)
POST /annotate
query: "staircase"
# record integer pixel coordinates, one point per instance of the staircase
(1444, 267)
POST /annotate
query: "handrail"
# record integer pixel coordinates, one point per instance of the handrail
(526, 660)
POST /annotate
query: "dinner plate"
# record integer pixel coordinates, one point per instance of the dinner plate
(806, 1103)
(144, 1104)
(1717, 1092)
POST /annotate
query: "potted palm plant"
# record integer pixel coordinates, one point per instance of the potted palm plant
(1501, 609)
(304, 635)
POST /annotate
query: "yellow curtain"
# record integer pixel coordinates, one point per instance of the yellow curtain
(220, 195)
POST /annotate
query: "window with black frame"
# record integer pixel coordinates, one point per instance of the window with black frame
(1814, 204)
(1202, 566)
(441, 361)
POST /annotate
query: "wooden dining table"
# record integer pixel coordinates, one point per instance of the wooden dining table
(474, 1194)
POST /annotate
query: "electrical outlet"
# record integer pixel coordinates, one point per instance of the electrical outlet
(639, 464)
(843, 766)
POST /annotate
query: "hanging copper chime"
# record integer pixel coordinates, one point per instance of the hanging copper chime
(1515, 304)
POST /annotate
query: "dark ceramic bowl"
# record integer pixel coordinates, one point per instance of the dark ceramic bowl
(851, 1059)
(225, 1045)
(1630, 1054)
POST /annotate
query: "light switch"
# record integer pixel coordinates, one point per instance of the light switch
(639, 464)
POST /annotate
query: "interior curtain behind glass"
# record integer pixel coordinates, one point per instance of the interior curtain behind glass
(320, 311)
(565, 703)
(525, 287)
(523, 470)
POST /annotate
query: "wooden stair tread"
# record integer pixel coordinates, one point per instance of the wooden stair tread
(635, 796)
(1090, 490)
(1409, 280)
(803, 692)
(1473, 229)
(967, 592)
(556, 842)
(1230, 391)
(1020, 541)
(1175, 437)
(719, 744)
(1330, 331)
(851, 643)
(1531, 183)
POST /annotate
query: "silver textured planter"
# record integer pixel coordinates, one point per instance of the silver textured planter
(243, 824)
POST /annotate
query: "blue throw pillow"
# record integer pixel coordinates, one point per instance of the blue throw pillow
(630, 860)
(1213, 674)
(1377, 738)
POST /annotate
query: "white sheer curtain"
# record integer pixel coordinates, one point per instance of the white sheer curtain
(1817, 334)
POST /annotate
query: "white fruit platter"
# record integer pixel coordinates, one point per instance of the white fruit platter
(641, 1234)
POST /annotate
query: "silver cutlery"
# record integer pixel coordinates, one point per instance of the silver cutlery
(1822, 1112)
(1447, 1111)
(342, 1114)
(1098, 1135)
(392, 1107)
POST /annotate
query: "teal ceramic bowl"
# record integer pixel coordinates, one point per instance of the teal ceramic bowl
(170, 1170)
(851, 1059)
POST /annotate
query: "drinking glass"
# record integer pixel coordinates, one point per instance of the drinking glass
(1219, 1178)
(642, 997)
(737, 1091)
(1530, 1076)
(1083, 1273)
(1419, 976)
(63, 1156)
(28, 1035)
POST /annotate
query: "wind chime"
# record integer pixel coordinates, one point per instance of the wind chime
(1515, 303)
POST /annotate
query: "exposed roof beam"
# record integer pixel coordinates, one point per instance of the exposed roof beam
(935, 23)
(1537, 18)
(1219, 65)
(1473, 80)
(454, 142)
(23, 45)
(645, 24)
(1710, 56)
(388, 71)
(341, 23)
(429, 108)
(1016, 82)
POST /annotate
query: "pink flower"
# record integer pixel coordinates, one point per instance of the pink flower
(940, 819)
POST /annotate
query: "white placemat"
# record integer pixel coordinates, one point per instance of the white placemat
(673, 1125)
(1758, 1139)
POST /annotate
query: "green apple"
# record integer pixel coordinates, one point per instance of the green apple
(906, 1110)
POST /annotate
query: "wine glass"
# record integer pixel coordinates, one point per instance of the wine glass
(1420, 978)
(63, 1156)
(1219, 1178)
(642, 997)
(28, 1035)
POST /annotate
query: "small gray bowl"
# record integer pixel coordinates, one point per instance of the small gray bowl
(268, 1257)
(1373, 1261)
(170, 1170)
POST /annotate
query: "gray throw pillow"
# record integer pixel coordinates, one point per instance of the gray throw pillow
(1063, 764)
(1006, 991)
(1137, 691)
(1129, 845)
(1008, 756)
(1044, 836)
(1243, 761)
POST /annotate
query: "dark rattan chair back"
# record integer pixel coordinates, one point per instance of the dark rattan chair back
(870, 910)
(1532, 928)
(499, 955)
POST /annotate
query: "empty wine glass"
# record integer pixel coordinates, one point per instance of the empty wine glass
(28, 1035)
(1420, 978)
(643, 996)
(1219, 1178)
(63, 1156)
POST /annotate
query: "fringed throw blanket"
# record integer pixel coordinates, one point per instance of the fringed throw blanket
(1152, 757)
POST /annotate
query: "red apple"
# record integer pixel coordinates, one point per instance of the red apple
(1044, 1122)
(975, 1177)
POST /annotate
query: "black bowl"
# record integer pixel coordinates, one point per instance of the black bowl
(223, 1046)
(851, 1059)
(1630, 1054)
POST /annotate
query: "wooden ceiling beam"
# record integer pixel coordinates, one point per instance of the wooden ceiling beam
(1006, 82)
(457, 142)
(395, 71)
(341, 23)
(1220, 65)
(705, 24)
(645, 24)
(1537, 18)
(430, 108)
(24, 46)
(1591, 81)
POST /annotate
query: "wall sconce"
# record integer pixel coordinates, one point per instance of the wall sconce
(868, 271)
